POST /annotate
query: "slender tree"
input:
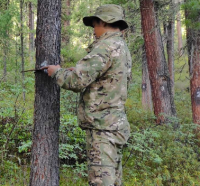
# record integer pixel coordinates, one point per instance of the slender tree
(31, 29)
(22, 46)
(146, 86)
(170, 43)
(193, 43)
(162, 95)
(66, 21)
(31, 26)
(5, 6)
(5, 62)
(45, 156)
(179, 30)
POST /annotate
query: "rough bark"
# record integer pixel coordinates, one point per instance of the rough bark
(193, 43)
(45, 147)
(146, 86)
(162, 95)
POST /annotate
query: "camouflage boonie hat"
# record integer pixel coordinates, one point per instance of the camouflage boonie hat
(109, 13)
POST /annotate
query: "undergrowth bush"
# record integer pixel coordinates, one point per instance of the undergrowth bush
(162, 155)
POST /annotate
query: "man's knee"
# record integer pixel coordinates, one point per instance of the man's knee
(102, 176)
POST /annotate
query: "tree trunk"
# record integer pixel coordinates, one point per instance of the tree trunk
(45, 147)
(146, 86)
(193, 43)
(162, 95)
(5, 63)
(16, 63)
(179, 32)
(22, 47)
(31, 27)
(5, 48)
(67, 13)
(170, 47)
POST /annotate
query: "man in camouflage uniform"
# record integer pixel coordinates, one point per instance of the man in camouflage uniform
(102, 79)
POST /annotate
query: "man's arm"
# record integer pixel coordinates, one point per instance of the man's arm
(87, 70)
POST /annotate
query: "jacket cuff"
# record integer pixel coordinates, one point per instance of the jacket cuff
(54, 74)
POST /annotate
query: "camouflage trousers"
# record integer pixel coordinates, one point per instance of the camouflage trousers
(104, 156)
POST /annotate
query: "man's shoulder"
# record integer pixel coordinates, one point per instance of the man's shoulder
(111, 43)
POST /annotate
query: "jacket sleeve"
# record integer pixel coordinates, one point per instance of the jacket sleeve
(87, 70)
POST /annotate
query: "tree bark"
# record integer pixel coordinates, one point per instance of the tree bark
(146, 86)
(179, 32)
(45, 147)
(16, 62)
(170, 47)
(22, 46)
(5, 63)
(5, 47)
(162, 95)
(193, 43)
(31, 29)
(31, 26)
(67, 13)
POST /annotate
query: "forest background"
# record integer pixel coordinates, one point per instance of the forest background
(166, 154)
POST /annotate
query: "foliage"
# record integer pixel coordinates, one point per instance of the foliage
(157, 155)
(161, 155)
(192, 7)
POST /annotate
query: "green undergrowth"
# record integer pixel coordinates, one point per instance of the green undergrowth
(162, 155)
(154, 155)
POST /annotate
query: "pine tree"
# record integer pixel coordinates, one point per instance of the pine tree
(45, 154)
(193, 43)
(162, 95)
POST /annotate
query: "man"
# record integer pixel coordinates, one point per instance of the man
(102, 79)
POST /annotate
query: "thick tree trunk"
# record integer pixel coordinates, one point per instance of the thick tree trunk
(193, 43)
(195, 85)
(45, 147)
(22, 46)
(146, 86)
(162, 95)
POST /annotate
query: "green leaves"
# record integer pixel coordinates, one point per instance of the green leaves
(159, 153)
(192, 9)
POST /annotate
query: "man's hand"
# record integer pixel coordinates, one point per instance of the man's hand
(71, 68)
(51, 69)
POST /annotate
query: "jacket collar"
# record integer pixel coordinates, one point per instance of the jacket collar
(109, 34)
(103, 37)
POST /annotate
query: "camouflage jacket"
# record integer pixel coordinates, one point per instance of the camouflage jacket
(102, 78)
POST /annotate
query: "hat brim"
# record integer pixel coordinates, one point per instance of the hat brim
(88, 21)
